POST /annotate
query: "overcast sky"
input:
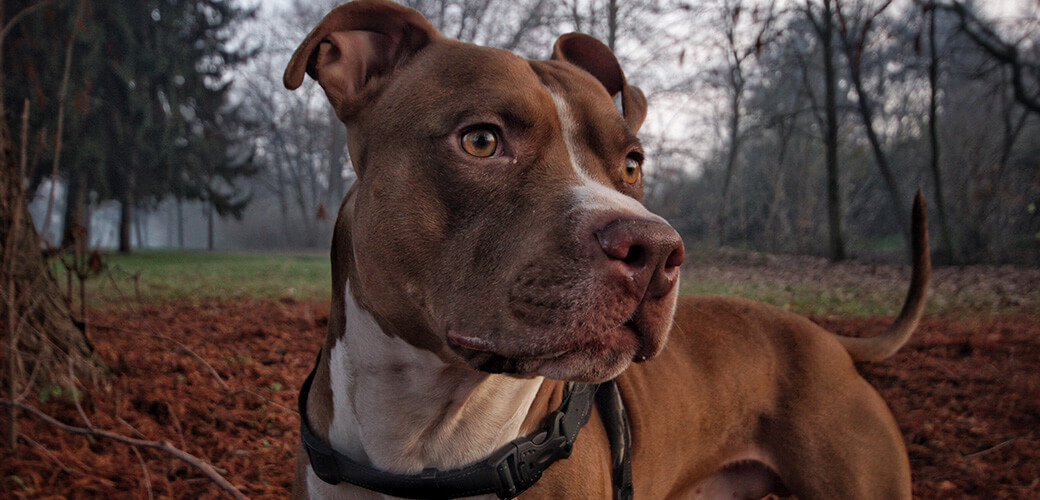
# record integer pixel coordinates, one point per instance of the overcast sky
(992, 7)
(673, 119)
(267, 4)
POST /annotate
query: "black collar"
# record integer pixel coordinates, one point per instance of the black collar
(507, 472)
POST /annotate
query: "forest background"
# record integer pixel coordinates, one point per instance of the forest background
(794, 127)
(785, 140)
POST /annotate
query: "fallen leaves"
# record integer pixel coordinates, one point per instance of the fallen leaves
(220, 380)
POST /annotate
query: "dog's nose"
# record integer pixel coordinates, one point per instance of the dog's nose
(648, 252)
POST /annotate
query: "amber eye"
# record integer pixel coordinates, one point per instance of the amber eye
(480, 142)
(633, 169)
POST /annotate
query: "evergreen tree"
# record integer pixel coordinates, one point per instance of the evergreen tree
(149, 114)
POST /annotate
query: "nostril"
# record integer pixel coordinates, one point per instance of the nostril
(675, 259)
(636, 256)
(617, 245)
(641, 246)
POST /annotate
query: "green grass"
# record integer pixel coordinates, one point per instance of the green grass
(162, 275)
(845, 290)
(166, 275)
(802, 299)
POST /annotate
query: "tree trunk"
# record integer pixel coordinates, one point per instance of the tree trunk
(170, 225)
(139, 228)
(180, 224)
(612, 24)
(74, 225)
(854, 46)
(866, 113)
(40, 339)
(933, 139)
(737, 81)
(126, 211)
(826, 30)
(774, 221)
(209, 230)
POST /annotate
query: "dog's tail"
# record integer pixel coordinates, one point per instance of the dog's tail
(886, 344)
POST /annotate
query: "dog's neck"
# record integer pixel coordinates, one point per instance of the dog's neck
(401, 409)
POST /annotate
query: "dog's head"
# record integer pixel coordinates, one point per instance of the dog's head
(496, 218)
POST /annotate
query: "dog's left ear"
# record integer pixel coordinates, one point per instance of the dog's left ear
(596, 58)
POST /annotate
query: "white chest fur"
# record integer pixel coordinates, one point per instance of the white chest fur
(401, 409)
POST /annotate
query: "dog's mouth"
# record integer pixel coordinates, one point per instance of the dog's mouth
(601, 357)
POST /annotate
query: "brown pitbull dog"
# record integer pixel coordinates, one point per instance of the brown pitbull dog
(494, 248)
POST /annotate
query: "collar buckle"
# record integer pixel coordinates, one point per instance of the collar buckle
(519, 465)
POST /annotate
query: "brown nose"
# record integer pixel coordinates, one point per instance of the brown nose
(647, 252)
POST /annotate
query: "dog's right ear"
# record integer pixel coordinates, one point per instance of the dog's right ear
(355, 47)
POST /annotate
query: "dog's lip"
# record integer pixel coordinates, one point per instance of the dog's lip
(477, 345)
(471, 343)
(643, 350)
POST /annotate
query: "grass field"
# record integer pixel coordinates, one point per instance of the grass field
(815, 286)
(152, 276)
(804, 285)
(847, 301)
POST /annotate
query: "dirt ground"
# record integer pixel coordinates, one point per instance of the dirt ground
(965, 391)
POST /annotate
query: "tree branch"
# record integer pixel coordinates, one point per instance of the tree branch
(986, 38)
(164, 446)
(209, 367)
(19, 16)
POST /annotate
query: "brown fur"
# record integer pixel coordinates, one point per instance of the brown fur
(433, 242)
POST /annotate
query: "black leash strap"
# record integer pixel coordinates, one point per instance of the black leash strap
(507, 472)
(619, 435)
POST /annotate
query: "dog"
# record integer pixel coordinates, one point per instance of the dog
(494, 257)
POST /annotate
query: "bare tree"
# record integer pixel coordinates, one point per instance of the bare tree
(822, 19)
(990, 104)
(745, 30)
(933, 136)
(854, 32)
(1025, 74)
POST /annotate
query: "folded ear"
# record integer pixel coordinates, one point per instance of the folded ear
(594, 57)
(355, 47)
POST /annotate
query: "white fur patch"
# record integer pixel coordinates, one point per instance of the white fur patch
(592, 196)
(400, 408)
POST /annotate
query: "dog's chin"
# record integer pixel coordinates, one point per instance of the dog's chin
(595, 360)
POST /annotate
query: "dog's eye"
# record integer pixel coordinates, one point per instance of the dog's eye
(480, 142)
(633, 169)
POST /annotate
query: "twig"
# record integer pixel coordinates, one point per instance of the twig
(265, 398)
(19, 16)
(164, 446)
(144, 468)
(186, 349)
(13, 241)
(115, 415)
(34, 298)
(129, 426)
(213, 371)
(943, 367)
(31, 381)
(63, 92)
(177, 426)
(122, 295)
(989, 450)
(65, 468)
(75, 397)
